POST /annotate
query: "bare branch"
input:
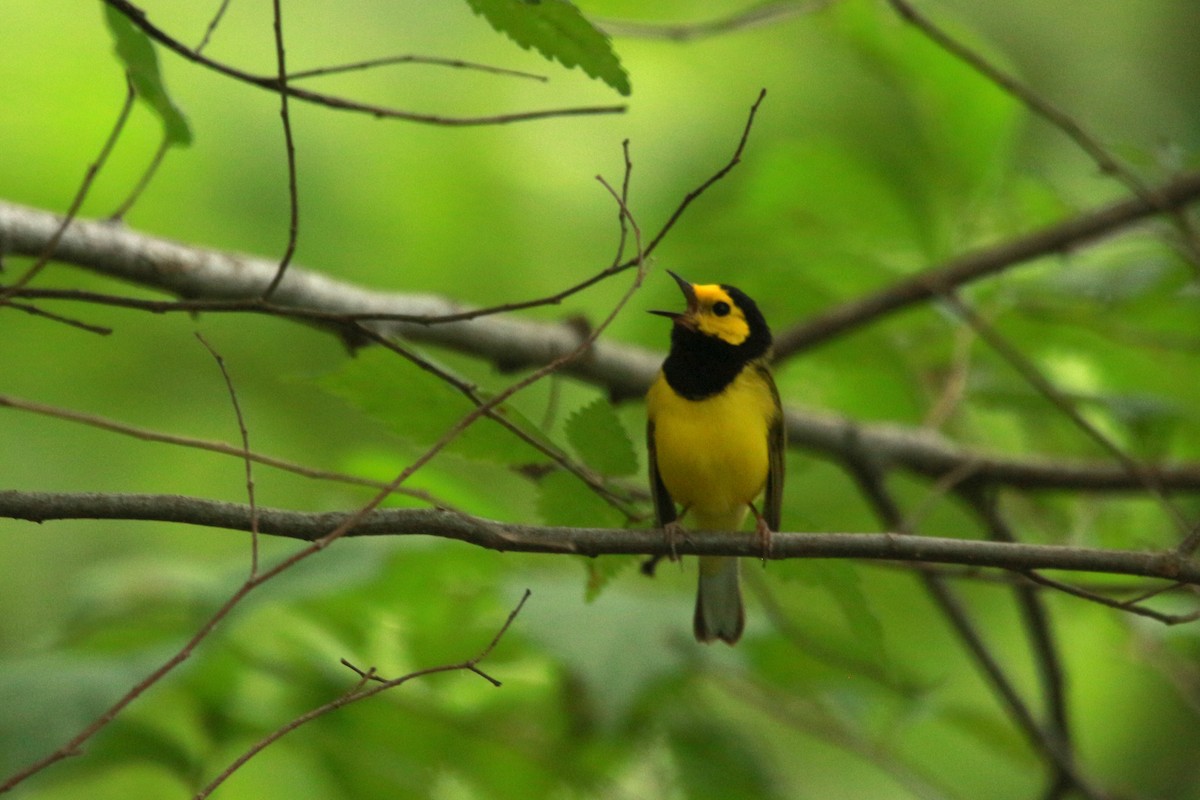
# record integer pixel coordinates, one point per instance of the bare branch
(34, 311)
(510, 537)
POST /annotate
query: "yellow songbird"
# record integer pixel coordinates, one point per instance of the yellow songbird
(716, 438)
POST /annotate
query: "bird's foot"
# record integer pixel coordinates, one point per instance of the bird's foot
(763, 531)
(674, 534)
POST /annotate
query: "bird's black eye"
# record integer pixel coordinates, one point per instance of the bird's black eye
(721, 308)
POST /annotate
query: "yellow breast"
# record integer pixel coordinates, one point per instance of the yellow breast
(712, 453)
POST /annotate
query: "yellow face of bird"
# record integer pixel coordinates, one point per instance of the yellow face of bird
(716, 314)
(711, 310)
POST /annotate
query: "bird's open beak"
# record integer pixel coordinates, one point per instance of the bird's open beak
(693, 305)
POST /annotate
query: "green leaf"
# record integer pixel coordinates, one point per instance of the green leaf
(601, 440)
(557, 30)
(141, 65)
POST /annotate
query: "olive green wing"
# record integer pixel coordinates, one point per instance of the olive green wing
(664, 506)
(776, 452)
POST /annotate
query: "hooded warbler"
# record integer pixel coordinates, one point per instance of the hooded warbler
(716, 438)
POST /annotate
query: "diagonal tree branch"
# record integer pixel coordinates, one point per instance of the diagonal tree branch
(972, 266)
(1050, 741)
(509, 537)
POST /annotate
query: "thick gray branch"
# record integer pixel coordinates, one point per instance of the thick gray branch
(42, 506)
(623, 370)
(196, 273)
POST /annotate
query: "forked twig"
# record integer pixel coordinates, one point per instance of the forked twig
(558, 297)
(360, 692)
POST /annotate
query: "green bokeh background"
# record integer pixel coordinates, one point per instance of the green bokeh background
(875, 154)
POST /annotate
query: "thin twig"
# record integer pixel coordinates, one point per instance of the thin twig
(104, 423)
(360, 692)
(84, 187)
(245, 434)
(590, 478)
(212, 25)
(454, 63)
(688, 199)
(691, 196)
(1131, 605)
(34, 311)
(621, 222)
(290, 150)
(143, 181)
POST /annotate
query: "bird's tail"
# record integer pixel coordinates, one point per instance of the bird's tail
(719, 612)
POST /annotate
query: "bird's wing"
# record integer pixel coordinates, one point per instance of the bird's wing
(776, 450)
(664, 506)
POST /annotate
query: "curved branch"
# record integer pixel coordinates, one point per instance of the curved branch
(273, 83)
(230, 282)
(504, 537)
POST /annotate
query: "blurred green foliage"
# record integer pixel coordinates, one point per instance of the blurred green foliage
(875, 154)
